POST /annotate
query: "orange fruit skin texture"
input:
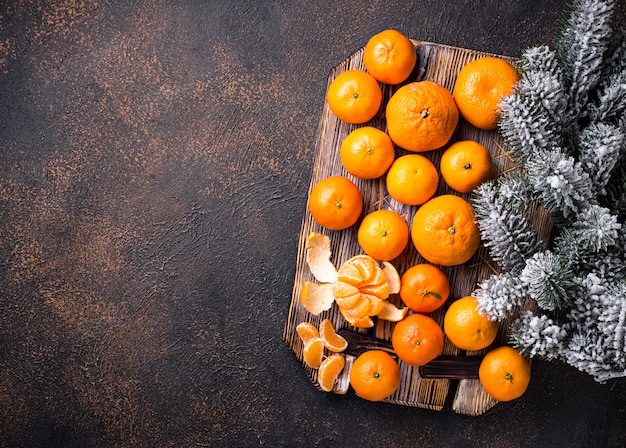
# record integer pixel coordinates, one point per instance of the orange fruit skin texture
(412, 179)
(417, 339)
(444, 231)
(421, 116)
(465, 165)
(466, 328)
(375, 375)
(504, 373)
(479, 88)
(424, 288)
(335, 203)
(389, 56)
(367, 152)
(354, 96)
(383, 234)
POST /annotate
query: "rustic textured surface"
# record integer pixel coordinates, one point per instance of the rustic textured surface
(154, 162)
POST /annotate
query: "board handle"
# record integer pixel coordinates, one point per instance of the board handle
(442, 367)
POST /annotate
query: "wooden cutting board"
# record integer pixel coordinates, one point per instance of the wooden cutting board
(441, 64)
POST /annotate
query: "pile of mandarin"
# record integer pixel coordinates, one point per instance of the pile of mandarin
(420, 116)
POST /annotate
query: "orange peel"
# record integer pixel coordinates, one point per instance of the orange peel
(392, 313)
(318, 254)
(317, 298)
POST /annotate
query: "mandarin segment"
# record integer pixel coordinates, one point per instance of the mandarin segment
(357, 270)
(329, 371)
(377, 286)
(346, 295)
(358, 322)
(393, 277)
(361, 290)
(333, 341)
(307, 331)
(313, 352)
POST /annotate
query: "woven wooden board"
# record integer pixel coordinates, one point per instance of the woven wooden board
(441, 64)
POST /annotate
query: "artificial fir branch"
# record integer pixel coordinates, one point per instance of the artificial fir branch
(499, 295)
(561, 183)
(596, 229)
(600, 145)
(505, 231)
(537, 335)
(583, 42)
(565, 126)
(549, 280)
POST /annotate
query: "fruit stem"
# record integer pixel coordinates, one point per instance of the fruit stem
(425, 113)
(509, 377)
(467, 166)
(376, 375)
(451, 230)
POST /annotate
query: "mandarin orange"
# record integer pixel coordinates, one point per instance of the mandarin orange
(389, 56)
(354, 96)
(424, 288)
(421, 116)
(444, 230)
(417, 339)
(466, 328)
(375, 375)
(479, 88)
(504, 373)
(465, 165)
(367, 152)
(412, 179)
(335, 203)
(383, 234)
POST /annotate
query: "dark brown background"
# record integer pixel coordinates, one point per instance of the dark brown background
(154, 163)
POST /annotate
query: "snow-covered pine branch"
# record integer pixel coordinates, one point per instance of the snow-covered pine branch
(537, 335)
(560, 182)
(583, 42)
(499, 295)
(501, 210)
(599, 150)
